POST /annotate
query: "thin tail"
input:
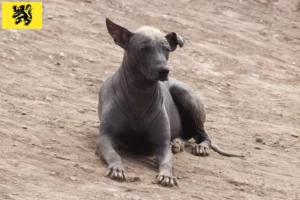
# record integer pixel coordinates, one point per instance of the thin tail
(223, 153)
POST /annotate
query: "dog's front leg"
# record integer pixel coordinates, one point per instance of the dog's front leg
(108, 132)
(160, 136)
(106, 151)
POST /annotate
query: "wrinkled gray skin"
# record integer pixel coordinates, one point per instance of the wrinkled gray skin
(143, 109)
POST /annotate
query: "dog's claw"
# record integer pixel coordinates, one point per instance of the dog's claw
(201, 149)
(166, 180)
(116, 172)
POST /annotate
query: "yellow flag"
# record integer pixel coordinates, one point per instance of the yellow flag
(22, 15)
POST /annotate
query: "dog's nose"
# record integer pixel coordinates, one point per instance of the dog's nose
(164, 72)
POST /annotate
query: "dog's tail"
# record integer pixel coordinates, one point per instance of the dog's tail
(223, 153)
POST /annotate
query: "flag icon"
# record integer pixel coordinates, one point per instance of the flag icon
(22, 15)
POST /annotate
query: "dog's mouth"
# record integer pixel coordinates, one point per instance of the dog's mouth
(162, 77)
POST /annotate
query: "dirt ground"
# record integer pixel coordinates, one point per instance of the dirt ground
(242, 57)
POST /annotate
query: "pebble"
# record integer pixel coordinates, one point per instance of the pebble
(24, 127)
(61, 126)
(62, 54)
(81, 110)
(277, 142)
(259, 139)
(47, 98)
(75, 62)
(50, 17)
(73, 178)
(87, 169)
(255, 75)
(90, 84)
(57, 63)
(295, 135)
(53, 173)
(258, 148)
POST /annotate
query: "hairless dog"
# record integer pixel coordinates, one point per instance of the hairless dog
(144, 109)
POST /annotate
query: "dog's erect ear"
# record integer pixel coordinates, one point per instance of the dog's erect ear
(120, 35)
(174, 39)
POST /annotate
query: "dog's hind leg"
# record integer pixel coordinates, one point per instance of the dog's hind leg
(193, 116)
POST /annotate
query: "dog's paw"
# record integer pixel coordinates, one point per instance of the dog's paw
(116, 172)
(166, 179)
(201, 149)
(177, 145)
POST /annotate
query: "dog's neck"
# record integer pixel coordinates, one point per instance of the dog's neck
(135, 89)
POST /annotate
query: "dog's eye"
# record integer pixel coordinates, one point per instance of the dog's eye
(145, 48)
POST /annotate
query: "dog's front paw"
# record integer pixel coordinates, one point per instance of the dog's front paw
(201, 149)
(166, 179)
(116, 172)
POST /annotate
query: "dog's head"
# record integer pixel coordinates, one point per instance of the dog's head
(147, 47)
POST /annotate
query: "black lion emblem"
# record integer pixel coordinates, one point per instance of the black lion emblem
(22, 13)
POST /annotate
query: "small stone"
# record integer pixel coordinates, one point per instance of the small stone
(293, 63)
(81, 110)
(75, 62)
(258, 148)
(47, 98)
(57, 63)
(136, 179)
(259, 139)
(24, 127)
(73, 178)
(228, 84)
(295, 135)
(62, 54)
(53, 173)
(87, 169)
(23, 113)
(255, 75)
(50, 17)
(277, 142)
(90, 84)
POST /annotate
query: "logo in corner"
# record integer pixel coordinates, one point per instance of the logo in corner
(22, 15)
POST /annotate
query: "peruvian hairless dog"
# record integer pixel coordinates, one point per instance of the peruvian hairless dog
(144, 109)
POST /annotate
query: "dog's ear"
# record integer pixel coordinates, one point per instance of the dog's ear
(174, 39)
(120, 35)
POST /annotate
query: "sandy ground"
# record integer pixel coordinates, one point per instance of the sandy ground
(242, 57)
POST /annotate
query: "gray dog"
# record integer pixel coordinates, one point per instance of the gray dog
(140, 107)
